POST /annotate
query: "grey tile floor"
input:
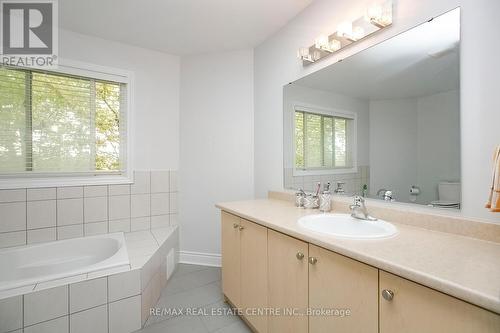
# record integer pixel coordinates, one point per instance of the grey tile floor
(197, 288)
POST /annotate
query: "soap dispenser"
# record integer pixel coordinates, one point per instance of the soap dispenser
(325, 200)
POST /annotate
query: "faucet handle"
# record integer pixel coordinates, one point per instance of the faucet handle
(358, 200)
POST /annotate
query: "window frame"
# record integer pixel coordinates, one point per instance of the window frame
(314, 109)
(61, 179)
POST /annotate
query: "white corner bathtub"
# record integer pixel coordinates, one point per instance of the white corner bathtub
(39, 266)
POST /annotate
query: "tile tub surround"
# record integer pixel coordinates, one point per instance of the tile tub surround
(464, 267)
(114, 303)
(46, 214)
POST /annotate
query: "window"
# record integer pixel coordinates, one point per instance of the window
(57, 124)
(322, 141)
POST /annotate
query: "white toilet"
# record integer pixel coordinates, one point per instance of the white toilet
(448, 194)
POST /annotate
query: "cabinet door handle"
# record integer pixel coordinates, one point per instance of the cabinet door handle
(235, 225)
(387, 294)
(241, 228)
(313, 260)
(300, 255)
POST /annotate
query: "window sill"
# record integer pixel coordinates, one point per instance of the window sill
(299, 173)
(18, 183)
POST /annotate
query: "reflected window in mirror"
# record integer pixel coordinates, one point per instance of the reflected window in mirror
(323, 141)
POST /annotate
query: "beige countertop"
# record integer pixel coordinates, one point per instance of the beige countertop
(464, 267)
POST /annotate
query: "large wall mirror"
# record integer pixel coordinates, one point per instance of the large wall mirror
(383, 123)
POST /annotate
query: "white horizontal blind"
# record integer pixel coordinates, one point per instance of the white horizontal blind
(321, 141)
(52, 123)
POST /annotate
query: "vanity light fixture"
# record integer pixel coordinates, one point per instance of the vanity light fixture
(324, 43)
(378, 16)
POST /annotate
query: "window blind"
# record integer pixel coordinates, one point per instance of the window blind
(60, 124)
(321, 141)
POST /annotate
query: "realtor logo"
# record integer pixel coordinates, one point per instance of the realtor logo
(29, 33)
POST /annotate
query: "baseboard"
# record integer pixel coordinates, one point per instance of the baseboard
(199, 258)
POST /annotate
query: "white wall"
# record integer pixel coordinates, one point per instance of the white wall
(414, 141)
(216, 143)
(393, 146)
(155, 134)
(438, 142)
(276, 65)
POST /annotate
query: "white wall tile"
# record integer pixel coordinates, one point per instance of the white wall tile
(70, 231)
(14, 238)
(59, 325)
(90, 321)
(98, 228)
(44, 305)
(119, 225)
(41, 214)
(124, 285)
(140, 223)
(160, 221)
(11, 314)
(174, 181)
(69, 211)
(125, 315)
(41, 194)
(41, 235)
(118, 189)
(140, 205)
(95, 191)
(119, 207)
(13, 195)
(173, 203)
(160, 181)
(142, 183)
(95, 209)
(159, 203)
(13, 216)
(87, 294)
(70, 192)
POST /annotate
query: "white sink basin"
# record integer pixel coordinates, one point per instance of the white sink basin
(345, 226)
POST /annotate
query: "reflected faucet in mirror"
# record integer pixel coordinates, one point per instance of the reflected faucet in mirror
(385, 194)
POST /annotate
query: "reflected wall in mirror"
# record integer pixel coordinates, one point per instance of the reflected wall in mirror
(383, 123)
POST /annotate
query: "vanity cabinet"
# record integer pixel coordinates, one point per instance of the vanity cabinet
(412, 308)
(288, 283)
(339, 283)
(265, 269)
(244, 262)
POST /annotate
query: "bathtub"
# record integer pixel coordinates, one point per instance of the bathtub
(30, 268)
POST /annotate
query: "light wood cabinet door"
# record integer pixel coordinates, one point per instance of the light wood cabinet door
(253, 239)
(416, 309)
(288, 283)
(231, 270)
(337, 282)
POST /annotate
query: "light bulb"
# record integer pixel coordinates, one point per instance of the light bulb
(303, 53)
(344, 29)
(322, 42)
(335, 45)
(358, 33)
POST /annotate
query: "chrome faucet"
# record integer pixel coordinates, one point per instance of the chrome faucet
(359, 211)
